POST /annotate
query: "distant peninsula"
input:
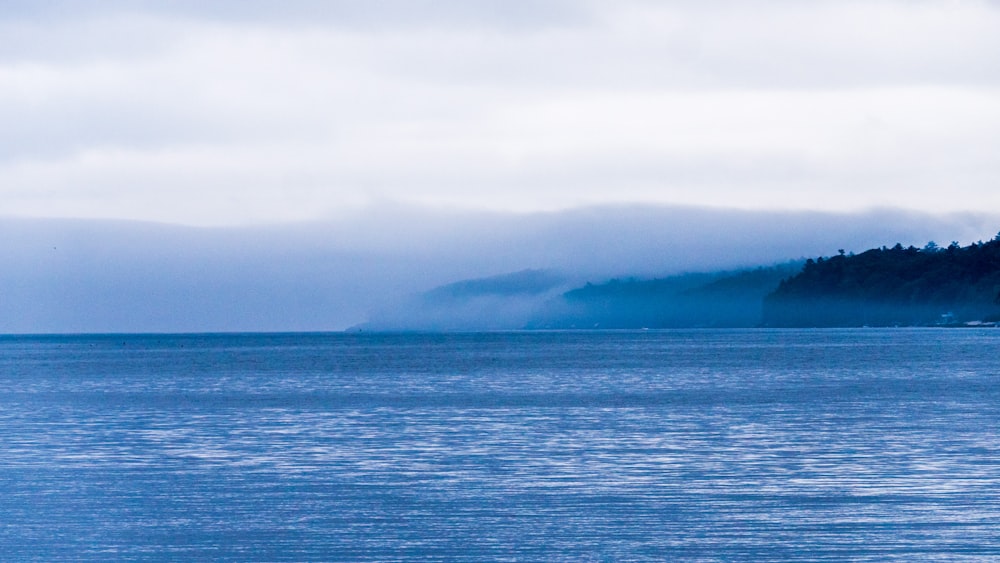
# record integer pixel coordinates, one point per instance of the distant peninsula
(714, 299)
(897, 286)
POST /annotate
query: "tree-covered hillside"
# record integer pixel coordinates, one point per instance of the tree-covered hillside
(892, 286)
(719, 299)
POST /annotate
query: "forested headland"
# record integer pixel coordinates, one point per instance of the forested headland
(892, 287)
(897, 286)
(713, 299)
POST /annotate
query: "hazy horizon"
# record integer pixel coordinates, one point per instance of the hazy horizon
(126, 276)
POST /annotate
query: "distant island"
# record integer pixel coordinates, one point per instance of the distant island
(897, 286)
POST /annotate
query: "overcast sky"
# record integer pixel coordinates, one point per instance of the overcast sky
(309, 161)
(247, 112)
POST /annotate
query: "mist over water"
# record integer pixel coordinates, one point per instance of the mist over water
(100, 276)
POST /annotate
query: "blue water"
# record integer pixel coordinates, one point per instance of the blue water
(780, 445)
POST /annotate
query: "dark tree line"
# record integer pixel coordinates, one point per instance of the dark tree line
(892, 286)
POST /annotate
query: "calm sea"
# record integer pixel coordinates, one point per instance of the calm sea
(708, 445)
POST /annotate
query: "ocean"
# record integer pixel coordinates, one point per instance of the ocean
(679, 445)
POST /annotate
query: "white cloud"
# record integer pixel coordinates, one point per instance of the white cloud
(220, 116)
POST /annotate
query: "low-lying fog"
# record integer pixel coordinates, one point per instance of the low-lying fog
(110, 276)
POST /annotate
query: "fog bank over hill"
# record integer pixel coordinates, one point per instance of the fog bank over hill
(109, 276)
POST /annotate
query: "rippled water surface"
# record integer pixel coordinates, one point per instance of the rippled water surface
(863, 445)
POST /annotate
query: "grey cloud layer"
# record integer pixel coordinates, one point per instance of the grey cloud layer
(248, 112)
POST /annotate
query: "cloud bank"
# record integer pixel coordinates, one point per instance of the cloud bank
(243, 113)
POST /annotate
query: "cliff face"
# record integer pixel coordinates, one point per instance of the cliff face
(891, 286)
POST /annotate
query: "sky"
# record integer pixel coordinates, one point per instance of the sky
(264, 165)
(252, 112)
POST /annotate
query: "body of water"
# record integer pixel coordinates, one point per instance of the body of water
(702, 445)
